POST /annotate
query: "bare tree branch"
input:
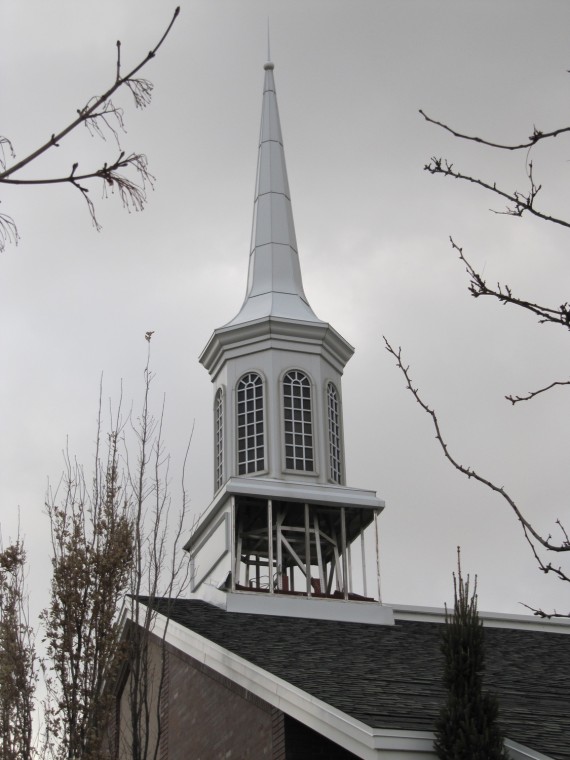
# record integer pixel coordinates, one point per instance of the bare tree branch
(546, 615)
(529, 530)
(92, 109)
(533, 139)
(549, 568)
(518, 204)
(478, 287)
(515, 399)
(98, 115)
(5, 146)
(521, 202)
(159, 570)
(8, 231)
(132, 194)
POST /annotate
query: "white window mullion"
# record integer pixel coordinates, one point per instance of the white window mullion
(298, 416)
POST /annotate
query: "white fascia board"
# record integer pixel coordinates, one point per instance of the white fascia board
(314, 608)
(362, 740)
(490, 619)
(313, 493)
(519, 752)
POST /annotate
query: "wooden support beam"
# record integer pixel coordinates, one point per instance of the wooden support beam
(343, 549)
(337, 567)
(296, 529)
(270, 542)
(308, 550)
(338, 574)
(293, 553)
(278, 538)
(232, 541)
(330, 578)
(319, 554)
(238, 552)
(376, 513)
(363, 553)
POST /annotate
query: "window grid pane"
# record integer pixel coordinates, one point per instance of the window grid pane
(334, 434)
(219, 439)
(251, 457)
(298, 422)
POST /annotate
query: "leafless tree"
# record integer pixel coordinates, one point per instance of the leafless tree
(92, 536)
(116, 546)
(126, 173)
(158, 571)
(548, 551)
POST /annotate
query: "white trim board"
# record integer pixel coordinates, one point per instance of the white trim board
(490, 619)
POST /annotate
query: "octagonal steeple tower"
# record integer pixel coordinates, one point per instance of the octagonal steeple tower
(282, 521)
(276, 332)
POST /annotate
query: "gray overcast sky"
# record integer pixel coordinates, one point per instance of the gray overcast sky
(373, 234)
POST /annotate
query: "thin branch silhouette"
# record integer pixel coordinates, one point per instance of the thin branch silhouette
(101, 117)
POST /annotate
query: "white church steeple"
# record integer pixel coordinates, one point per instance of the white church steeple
(274, 284)
(276, 351)
(282, 520)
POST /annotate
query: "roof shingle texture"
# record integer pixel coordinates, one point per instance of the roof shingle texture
(390, 676)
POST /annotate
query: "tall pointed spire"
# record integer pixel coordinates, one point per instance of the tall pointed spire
(274, 285)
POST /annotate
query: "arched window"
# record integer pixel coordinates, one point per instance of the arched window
(250, 434)
(298, 422)
(218, 439)
(335, 452)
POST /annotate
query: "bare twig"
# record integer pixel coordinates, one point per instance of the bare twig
(533, 139)
(90, 111)
(521, 202)
(132, 194)
(5, 147)
(159, 570)
(98, 114)
(546, 615)
(8, 231)
(478, 287)
(532, 394)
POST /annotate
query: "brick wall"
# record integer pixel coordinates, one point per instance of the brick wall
(211, 718)
(205, 716)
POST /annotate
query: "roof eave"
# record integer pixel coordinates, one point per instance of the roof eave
(280, 490)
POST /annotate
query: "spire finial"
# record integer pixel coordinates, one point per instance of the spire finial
(268, 66)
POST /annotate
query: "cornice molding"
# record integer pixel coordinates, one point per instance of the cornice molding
(275, 333)
(284, 490)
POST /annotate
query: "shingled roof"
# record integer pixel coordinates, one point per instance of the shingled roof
(390, 676)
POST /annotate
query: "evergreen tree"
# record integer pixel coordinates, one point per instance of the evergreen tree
(467, 728)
